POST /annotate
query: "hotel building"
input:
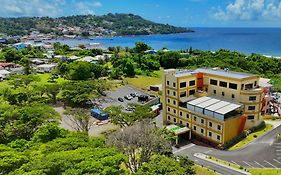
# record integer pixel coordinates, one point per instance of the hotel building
(216, 105)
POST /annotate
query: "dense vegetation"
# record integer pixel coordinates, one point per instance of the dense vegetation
(122, 24)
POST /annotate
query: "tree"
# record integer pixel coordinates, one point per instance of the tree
(26, 63)
(79, 70)
(169, 59)
(141, 47)
(48, 132)
(80, 119)
(125, 119)
(52, 90)
(165, 165)
(139, 142)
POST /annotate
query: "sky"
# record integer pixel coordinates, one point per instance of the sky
(186, 13)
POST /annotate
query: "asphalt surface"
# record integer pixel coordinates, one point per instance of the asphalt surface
(264, 152)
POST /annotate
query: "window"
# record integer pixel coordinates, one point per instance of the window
(249, 86)
(242, 86)
(223, 84)
(174, 102)
(194, 128)
(232, 86)
(218, 137)
(255, 84)
(194, 118)
(168, 92)
(232, 96)
(251, 108)
(210, 124)
(181, 122)
(174, 93)
(169, 109)
(182, 84)
(187, 115)
(202, 121)
(214, 82)
(215, 92)
(183, 94)
(168, 83)
(251, 117)
(169, 118)
(222, 93)
(175, 111)
(187, 125)
(202, 131)
(191, 92)
(174, 84)
(252, 98)
(175, 120)
(168, 100)
(210, 134)
(180, 113)
(219, 127)
(192, 83)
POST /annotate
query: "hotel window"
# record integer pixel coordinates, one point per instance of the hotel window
(232, 96)
(192, 83)
(174, 102)
(202, 121)
(182, 84)
(252, 98)
(214, 82)
(183, 94)
(242, 86)
(175, 120)
(174, 93)
(219, 127)
(194, 128)
(191, 92)
(174, 84)
(222, 93)
(168, 83)
(181, 122)
(194, 118)
(169, 118)
(187, 125)
(251, 117)
(223, 84)
(251, 108)
(215, 91)
(202, 131)
(169, 109)
(168, 100)
(232, 86)
(175, 111)
(210, 124)
(187, 115)
(168, 92)
(218, 137)
(255, 83)
(210, 134)
(180, 113)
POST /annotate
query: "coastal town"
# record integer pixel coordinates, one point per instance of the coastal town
(140, 109)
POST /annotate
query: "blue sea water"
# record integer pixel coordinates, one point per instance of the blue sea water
(265, 41)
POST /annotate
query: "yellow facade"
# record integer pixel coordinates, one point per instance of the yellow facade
(179, 85)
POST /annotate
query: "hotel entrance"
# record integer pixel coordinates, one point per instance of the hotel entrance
(182, 132)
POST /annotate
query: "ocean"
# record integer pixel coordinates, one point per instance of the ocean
(266, 41)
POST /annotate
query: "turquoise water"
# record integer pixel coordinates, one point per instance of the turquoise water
(265, 41)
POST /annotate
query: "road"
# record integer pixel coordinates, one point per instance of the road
(264, 152)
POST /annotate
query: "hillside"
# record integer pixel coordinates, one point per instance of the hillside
(87, 25)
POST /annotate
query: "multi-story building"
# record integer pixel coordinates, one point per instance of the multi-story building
(216, 105)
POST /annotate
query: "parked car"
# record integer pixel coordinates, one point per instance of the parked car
(128, 97)
(120, 99)
(133, 95)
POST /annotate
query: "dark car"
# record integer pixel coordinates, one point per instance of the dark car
(133, 95)
(120, 99)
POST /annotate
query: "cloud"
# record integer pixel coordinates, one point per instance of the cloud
(249, 10)
(53, 8)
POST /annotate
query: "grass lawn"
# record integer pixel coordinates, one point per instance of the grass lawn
(251, 137)
(224, 162)
(45, 77)
(265, 171)
(143, 82)
(203, 171)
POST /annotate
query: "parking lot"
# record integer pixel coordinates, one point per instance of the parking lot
(111, 98)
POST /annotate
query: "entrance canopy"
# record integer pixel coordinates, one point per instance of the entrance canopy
(178, 129)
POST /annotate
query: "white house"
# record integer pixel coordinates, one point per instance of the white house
(46, 68)
(3, 74)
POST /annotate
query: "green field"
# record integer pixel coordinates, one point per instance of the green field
(251, 137)
(265, 171)
(203, 171)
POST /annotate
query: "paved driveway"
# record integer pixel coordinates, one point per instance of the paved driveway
(265, 152)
